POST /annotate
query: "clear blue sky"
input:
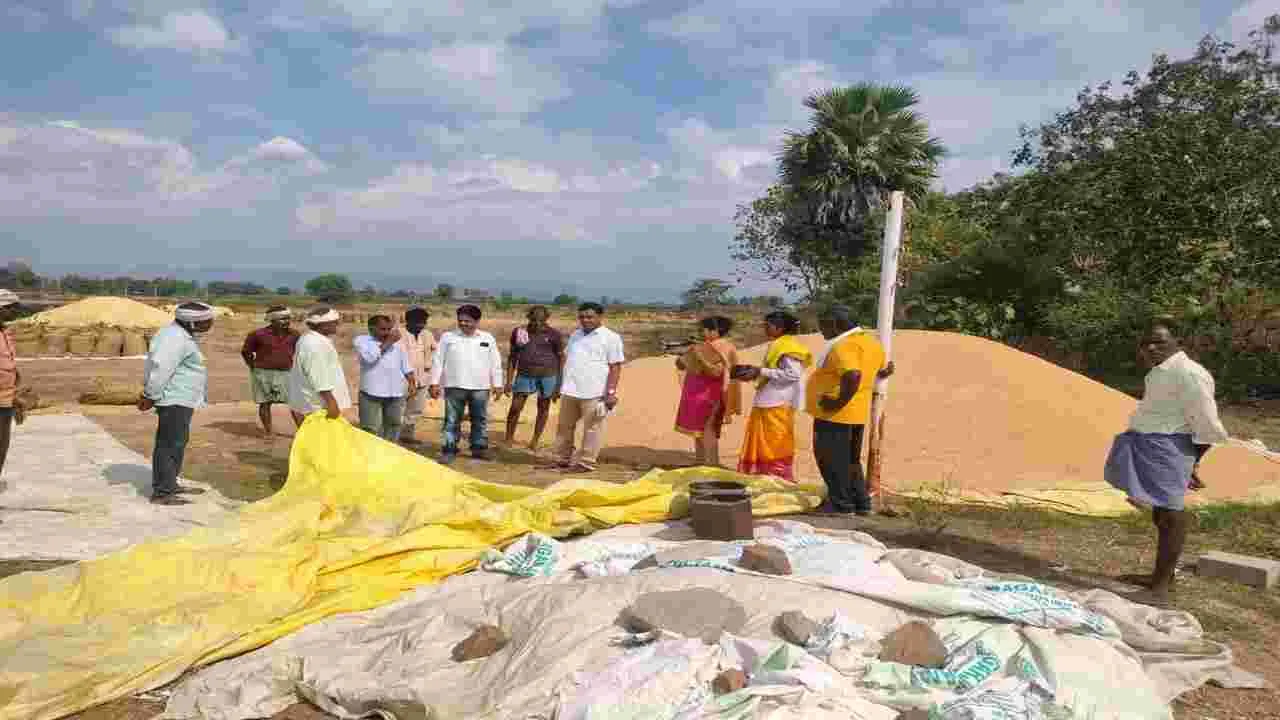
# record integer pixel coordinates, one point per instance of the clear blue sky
(599, 145)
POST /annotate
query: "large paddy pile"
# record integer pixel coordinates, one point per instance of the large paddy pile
(975, 414)
(93, 327)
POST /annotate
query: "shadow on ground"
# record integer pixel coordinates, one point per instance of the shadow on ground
(139, 476)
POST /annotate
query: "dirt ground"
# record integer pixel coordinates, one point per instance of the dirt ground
(229, 452)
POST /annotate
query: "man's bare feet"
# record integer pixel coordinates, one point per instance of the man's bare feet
(1157, 598)
(1142, 580)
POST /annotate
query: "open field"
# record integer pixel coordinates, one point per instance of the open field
(229, 452)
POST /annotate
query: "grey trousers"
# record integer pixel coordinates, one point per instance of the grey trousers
(382, 416)
(172, 432)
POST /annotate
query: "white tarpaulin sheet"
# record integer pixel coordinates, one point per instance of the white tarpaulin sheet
(1015, 649)
(70, 491)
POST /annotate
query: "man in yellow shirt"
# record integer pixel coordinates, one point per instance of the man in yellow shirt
(838, 396)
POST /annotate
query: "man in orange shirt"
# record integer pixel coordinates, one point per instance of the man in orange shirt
(10, 408)
(838, 396)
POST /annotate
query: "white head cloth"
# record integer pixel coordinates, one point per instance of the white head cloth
(193, 315)
(8, 297)
(279, 314)
(316, 319)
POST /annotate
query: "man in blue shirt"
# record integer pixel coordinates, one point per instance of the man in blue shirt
(387, 379)
(175, 383)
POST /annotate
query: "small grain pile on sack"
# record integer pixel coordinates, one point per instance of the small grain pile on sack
(105, 393)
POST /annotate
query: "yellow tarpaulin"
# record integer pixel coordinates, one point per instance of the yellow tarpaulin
(359, 522)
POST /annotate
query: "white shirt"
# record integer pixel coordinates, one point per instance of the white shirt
(467, 362)
(1177, 398)
(383, 373)
(316, 369)
(586, 363)
(783, 386)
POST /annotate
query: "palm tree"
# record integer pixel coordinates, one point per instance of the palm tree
(864, 142)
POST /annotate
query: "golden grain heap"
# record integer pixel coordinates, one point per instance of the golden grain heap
(93, 327)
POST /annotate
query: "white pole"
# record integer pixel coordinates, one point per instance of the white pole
(884, 328)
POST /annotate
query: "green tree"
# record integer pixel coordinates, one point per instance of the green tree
(332, 287)
(864, 141)
(1162, 193)
(565, 299)
(707, 292)
(445, 292)
(284, 290)
(775, 244)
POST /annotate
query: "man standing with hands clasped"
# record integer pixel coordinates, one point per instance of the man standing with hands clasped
(838, 396)
(317, 381)
(467, 367)
(175, 383)
(387, 379)
(588, 389)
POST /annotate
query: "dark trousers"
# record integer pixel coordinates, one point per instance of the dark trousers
(838, 450)
(6, 427)
(456, 402)
(172, 432)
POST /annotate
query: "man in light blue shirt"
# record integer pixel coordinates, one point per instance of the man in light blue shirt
(175, 383)
(387, 379)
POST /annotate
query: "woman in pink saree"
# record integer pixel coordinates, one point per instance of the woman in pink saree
(709, 398)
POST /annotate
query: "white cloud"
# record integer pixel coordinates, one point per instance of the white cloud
(279, 154)
(757, 28)
(193, 31)
(483, 200)
(27, 18)
(485, 78)
(457, 20)
(56, 168)
(1249, 17)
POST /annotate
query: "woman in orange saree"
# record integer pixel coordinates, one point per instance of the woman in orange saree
(709, 398)
(769, 446)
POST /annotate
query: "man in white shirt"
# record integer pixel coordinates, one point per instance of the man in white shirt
(466, 368)
(1157, 459)
(317, 381)
(588, 389)
(386, 379)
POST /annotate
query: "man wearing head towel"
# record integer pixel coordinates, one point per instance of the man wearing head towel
(317, 381)
(268, 352)
(175, 383)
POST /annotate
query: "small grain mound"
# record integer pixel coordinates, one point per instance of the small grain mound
(103, 312)
(974, 413)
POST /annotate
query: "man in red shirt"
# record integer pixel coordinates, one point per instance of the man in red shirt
(268, 352)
